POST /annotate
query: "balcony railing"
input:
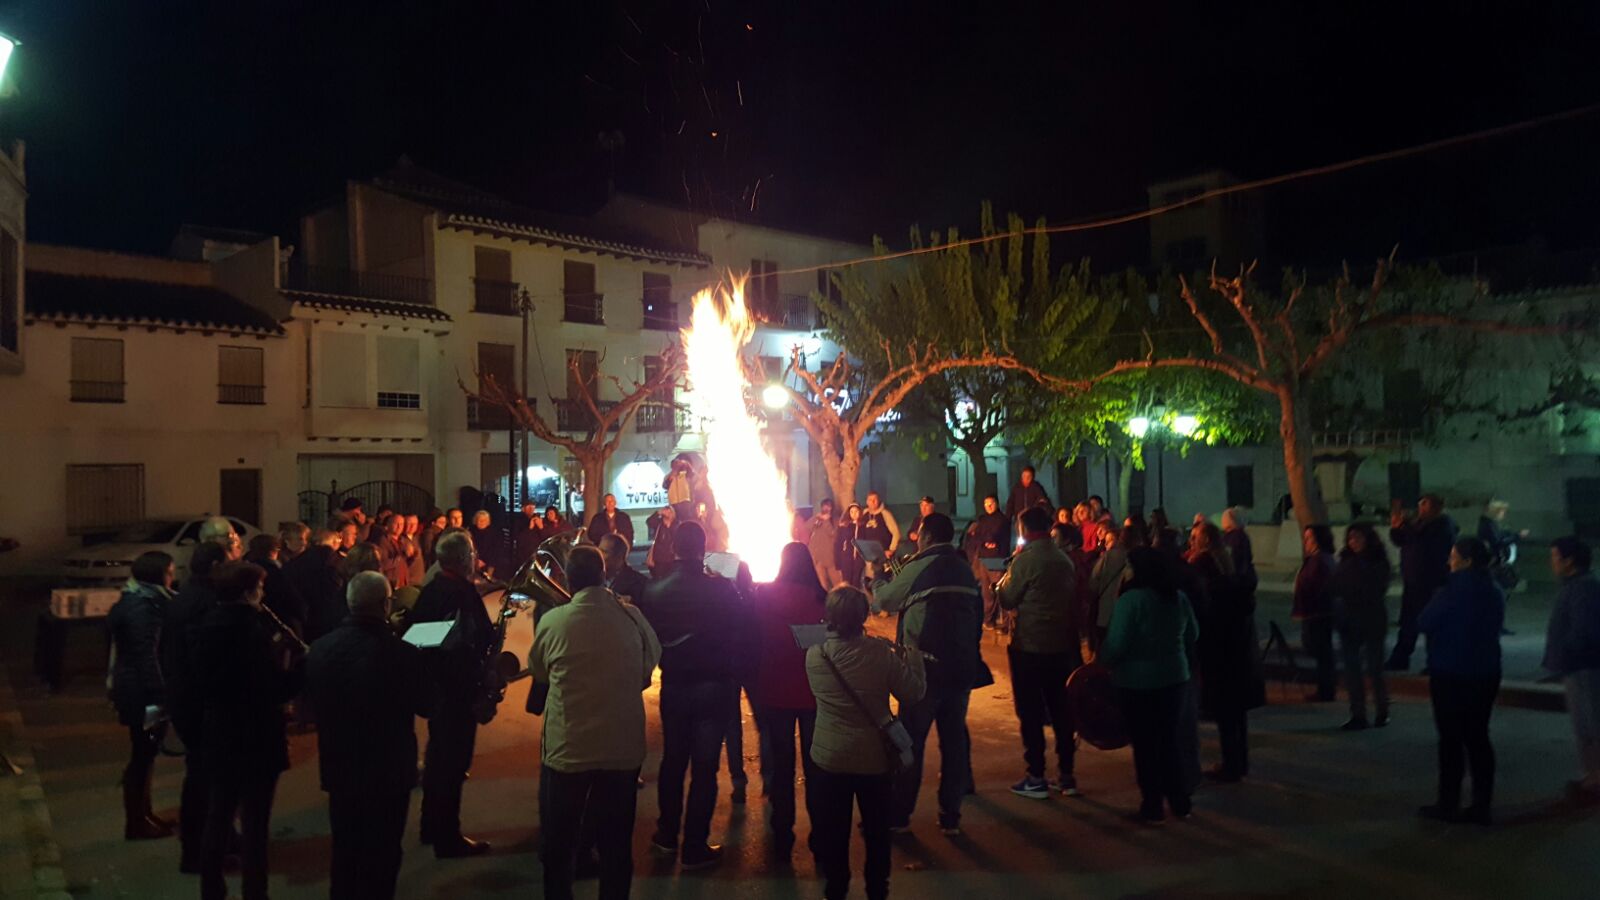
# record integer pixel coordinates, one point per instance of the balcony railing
(1366, 438)
(487, 416)
(97, 391)
(244, 394)
(794, 312)
(585, 309)
(352, 283)
(498, 297)
(574, 415)
(656, 417)
(660, 315)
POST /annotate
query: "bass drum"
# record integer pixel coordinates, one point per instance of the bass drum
(1095, 708)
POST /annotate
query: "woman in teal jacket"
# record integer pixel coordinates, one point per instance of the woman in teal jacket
(1149, 645)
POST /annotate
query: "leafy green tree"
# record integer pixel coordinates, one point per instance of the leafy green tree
(947, 330)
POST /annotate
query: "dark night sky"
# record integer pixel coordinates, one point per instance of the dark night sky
(854, 117)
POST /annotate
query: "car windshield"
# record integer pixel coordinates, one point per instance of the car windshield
(149, 533)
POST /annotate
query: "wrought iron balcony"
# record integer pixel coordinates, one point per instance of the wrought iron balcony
(655, 417)
(498, 297)
(487, 416)
(574, 415)
(794, 312)
(353, 283)
(660, 315)
(97, 391)
(585, 309)
(244, 394)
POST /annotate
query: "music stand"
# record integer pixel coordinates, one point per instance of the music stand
(1277, 638)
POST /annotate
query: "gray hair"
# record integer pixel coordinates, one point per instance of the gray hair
(215, 530)
(367, 592)
(454, 550)
(1233, 517)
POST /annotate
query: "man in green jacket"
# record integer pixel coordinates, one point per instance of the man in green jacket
(1044, 651)
(941, 614)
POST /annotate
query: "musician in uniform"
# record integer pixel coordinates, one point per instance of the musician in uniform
(368, 687)
(457, 668)
(941, 614)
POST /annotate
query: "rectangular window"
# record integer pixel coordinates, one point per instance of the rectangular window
(1583, 506)
(10, 308)
(1403, 401)
(1242, 486)
(494, 361)
(399, 376)
(240, 378)
(342, 371)
(826, 285)
(659, 310)
(104, 498)
(493, 291)
(1405, 482)
(582, 303)
(763, 289)
(97, 370)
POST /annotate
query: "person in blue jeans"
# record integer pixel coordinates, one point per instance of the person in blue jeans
(706, 653)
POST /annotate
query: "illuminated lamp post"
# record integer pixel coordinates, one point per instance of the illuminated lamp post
(1183, 425)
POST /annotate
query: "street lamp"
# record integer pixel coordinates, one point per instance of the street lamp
(1185, 425)
(1182, 425)
(8, 45)
(1138, 426)
(774, 396)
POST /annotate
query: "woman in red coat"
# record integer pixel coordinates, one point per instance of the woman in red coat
(781, 693)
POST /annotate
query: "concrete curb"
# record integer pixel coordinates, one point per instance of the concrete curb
(31, 860)
(1513, 694)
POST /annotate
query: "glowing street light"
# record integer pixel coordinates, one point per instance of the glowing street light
(774, 396)
(8, 44)
(1185, 425)
(1138, 426)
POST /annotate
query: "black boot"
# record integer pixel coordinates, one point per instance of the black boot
(139, 825)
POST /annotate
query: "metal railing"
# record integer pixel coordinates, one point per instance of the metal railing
(353, 283)
(498, 297)
(487, 416)
(585, 309)
(656, 417)
(246, 394)
(574, 415)
(660, 315)
(794, 312)
(97, 391)
(1366, 437)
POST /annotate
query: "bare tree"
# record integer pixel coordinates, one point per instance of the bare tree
(605, 422)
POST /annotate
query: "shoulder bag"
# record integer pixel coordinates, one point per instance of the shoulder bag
(896, 739)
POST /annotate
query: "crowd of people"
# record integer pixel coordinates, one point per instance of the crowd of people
(312, 620)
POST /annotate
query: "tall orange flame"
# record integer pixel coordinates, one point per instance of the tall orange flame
(751, 489)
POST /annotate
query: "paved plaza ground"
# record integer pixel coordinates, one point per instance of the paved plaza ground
(1325, 814)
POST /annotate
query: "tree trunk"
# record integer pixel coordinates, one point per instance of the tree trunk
(1295, 431)
(594, 477)
(984, 482)
(1125, 488)
(843, 470)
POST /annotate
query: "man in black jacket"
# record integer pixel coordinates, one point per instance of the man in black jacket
(1424, 543)
(610, 520)
(1026, 494)
(369, 687)
(184, 704)
(941, 614)
(314, 578)
(457, 665)
(626, 581)
(990, 539)
(706, 651)
(242, 687)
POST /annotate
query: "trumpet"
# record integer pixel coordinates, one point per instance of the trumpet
(284, 632)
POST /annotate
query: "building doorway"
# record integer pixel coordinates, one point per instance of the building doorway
(241, 495)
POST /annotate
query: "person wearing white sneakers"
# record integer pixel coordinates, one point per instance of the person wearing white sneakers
(1040, 585)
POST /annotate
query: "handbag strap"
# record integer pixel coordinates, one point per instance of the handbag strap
(860, 704)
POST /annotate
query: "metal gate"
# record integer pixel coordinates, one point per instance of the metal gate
(317, 507)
